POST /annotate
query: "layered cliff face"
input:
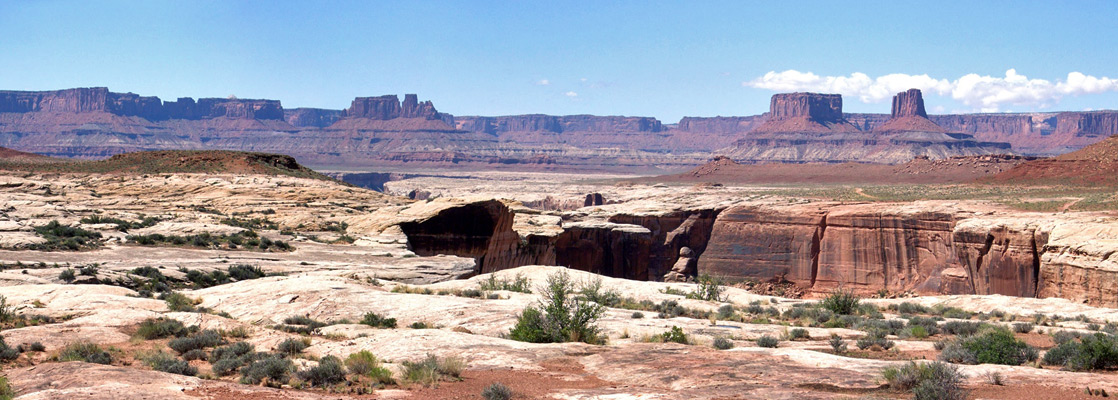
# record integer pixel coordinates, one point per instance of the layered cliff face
(85, 100)
(928, 248)
(820, 107)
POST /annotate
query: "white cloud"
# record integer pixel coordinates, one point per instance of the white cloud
(543, 82)
(571, 94)
(582, 79)
(987, 93)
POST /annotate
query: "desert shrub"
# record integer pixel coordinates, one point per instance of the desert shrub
(915, 331)
(962, 328)
(235, 350)
(200, 340)
(88, 270)
(292, 346)
(34, 347)
(798, 334)
(637, 315)
(226, 366)
(420, 325)
(930, 325)
(496, 391)
(992, 346)
(85, 351)
(518, 284)
(725, 311)
(930, 381)
(6, 392)
(178, 302)
(837, 344)
(1064, 336)
(883, 326)
(67, 275)
(559, 316)
(472, 293)
(375, 320)
(243, 272)
(874, 340)
(299, 324)
(1097, 351)
(196, 354)
(328, 371)
(674, 335)
(722, 343)
(8, 353)
(593, 291)
(768, 341)
(276, 370)
(909, 308)
(62, 237)
(1023, 327)
(430, 370)
(365, 364)
(842, 302)
(158, 328)
(167, 363)
(994, 378)
(710, 288)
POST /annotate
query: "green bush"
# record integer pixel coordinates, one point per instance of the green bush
(1096, 351)
(799, 333)
(837, 344)
(842, 302)
(6, 392)
(232, 351)
(245, 272)
(375, 320)
(963, 328)
(593, 291)
(722, 343)
(909, 308)
(768, 341)
(273, 369)
(85, 351)
(365, 364)
(328, 371)
(929, 381)
(62, 237)
(674, 335)
(874, 340)
(167, 363)
(496, 391)
(930, 325)
(67, 275)
(292, 346)
(430, 370)
(158, 328)
(710, 288)
(518, 284)
(992, 346)
(178, 302)
(725, 311)
(197, 341)
(196, 354)
(1023, 327)
(559, 316)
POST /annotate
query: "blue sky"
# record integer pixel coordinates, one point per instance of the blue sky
(648, 58)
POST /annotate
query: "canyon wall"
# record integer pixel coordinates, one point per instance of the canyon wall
(927, 248)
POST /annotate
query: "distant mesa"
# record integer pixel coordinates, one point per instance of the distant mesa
(806, 112)
(811, 127)
(908, 115)
(389, 107)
